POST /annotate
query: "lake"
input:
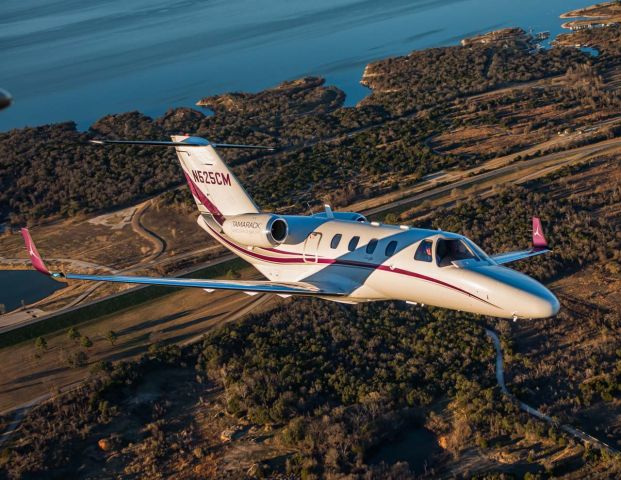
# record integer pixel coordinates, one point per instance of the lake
(79, 60)
(27, 285)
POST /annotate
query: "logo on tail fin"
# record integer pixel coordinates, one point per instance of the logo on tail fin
(539, 240)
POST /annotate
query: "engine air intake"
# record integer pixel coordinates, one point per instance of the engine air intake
(262, 230)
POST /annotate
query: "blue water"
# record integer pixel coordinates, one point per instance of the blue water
(80, 59)
(594, 52)
(26, 285)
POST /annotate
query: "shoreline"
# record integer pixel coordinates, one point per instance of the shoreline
(346, 79)
(584, 12)
(595, 16)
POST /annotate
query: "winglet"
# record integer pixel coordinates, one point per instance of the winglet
(35, 258)
(539, 241)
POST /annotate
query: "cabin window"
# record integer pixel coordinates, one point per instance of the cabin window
(353, 243)
(391, 248)
(371, 246)
(336, 240)
(448, 251)
(423, 252)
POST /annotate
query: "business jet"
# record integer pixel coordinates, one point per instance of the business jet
(339, 256)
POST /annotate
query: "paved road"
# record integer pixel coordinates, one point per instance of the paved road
(67, 261)
(159, 246)
(576, 433)
(470, 177)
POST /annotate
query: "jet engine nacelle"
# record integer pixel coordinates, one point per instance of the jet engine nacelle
(261, 230)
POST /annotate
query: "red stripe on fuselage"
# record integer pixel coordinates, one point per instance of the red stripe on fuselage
(275, 250)
(350, 263)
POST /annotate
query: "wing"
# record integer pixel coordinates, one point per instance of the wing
(540, 245)
(282, 288)
(518, 255)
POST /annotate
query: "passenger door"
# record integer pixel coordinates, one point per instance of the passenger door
(311, 245)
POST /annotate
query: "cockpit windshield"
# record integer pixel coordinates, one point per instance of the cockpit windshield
(478, 250)
(450, 250)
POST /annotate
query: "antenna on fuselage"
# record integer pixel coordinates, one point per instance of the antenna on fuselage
(329, 212)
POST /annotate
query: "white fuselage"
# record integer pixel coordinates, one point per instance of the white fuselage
(382, 266)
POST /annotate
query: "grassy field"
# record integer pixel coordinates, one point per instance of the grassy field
(114, 304)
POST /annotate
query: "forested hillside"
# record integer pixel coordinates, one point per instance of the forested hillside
(51, 171)
(333, 382)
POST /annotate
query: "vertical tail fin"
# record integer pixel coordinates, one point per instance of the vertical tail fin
(214, 186)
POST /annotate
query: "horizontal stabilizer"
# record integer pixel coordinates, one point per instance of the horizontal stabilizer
(188, 142)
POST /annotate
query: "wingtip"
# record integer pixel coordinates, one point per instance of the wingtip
(35, 258)
(539, 239)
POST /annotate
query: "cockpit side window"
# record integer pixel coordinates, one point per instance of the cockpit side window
(451, 250)
(423, 252)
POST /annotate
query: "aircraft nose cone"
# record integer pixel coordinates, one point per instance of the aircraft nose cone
(546, 305)
(520, 295)
(555, 305)
(541, 303)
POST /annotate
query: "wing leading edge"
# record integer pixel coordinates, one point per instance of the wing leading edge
(282, 288)
(540, 246)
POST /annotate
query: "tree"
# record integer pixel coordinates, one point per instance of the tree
(111, 336)
(390, 218)
(86, 342)
(41, 344)
(73, 334)
(232, 274)
(40, 347)
(77, 359)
